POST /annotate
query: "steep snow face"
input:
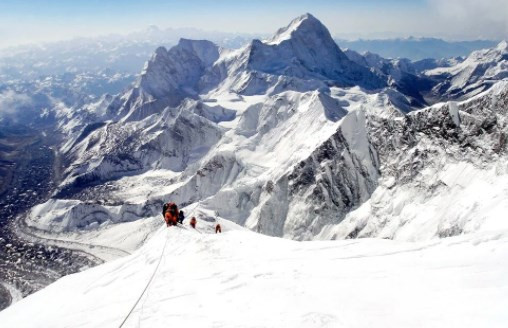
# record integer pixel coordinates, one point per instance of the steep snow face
(443, 172)
(242, 279)
(475, 74)
(168, 78)
(171, 140)
(337, 176)
(304, 44)
(304, 24)
(302, 50)
(179, 69)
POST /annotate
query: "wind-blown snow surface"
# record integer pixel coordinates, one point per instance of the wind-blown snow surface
(243, 279)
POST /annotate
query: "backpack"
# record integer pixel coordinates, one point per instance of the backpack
(164, 209)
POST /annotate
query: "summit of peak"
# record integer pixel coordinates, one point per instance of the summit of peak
(160, 52)
(503, 45)
(205, 50)
(304, 24)
(305, 49)
(305, 17)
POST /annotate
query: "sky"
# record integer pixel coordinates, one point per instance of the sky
(27, 21)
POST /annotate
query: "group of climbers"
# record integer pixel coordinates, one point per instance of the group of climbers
(172, 216)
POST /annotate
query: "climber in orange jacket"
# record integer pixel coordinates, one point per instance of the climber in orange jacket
(193, 222)
(170, 212)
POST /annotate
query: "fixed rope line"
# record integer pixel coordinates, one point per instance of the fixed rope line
(151, 278)
(140, 316)
(148, 284)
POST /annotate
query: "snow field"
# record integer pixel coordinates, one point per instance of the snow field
(243, 279)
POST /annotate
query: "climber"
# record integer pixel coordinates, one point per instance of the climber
(218, 228)
(170, 212)
(181, 217)
(193, 222)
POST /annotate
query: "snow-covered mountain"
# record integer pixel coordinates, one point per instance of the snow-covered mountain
(475, 74)
(120, 53)
(273, 136)
(39, 101)
(305, 50)
(37, 81)
(400, 74)
(416, 48)
(289, 137)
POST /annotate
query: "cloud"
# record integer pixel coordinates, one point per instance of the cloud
(472, 18)
(11, 102)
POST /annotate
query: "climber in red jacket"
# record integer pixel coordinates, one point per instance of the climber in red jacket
(170, 212)
(193, 222)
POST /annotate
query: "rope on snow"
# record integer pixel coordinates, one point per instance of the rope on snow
(148, 284)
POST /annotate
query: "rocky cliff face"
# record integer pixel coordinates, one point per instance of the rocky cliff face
(442, 171)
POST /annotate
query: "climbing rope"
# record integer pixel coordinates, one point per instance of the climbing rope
(153, 274)
(148, 284)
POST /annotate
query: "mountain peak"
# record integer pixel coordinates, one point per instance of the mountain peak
(161, 51)
(206, 51)
(304, 24)
(153, 29)
(503, 45)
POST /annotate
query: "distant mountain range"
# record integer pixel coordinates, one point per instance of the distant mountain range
(128, 53)
(416, 48)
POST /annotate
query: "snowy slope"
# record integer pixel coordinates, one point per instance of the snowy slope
(444, 172)
(400, 73)
(242, 279)
(475, 74)
(416, 48)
